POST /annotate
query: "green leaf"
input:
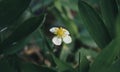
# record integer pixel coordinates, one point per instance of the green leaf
(11, 10)
(20, 45)
(62, 66)
(94, 24)
(84, 65)
(29, 67)
(118, 3)
(106, 58)
(12, 63)
(6, 33)
(84, 61)
(118, 27)
(109, 12)
(36, 7)
(25, 29)
(115, 67)
(9, 64)
(63, 13)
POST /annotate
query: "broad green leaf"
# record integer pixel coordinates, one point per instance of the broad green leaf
(115, 67)
(62, 66)
(94, 24)
(6, 32)
(25, 29)
(109, 13)
(11, 10)
(20, 45)
(107, 57)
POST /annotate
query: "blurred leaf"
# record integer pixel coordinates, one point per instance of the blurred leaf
(20, 45)
(93, 1)
(118, 27)
(115, 67)
(62, 66)
(11, 10)
(118, 3)
(109, 12)
(86, 38)
(25, 29)
(81, 57)
(37, 37)
(37, 5)
(94, 24)
(14, 64)
(9, 64)
(84, 65)
(29, 67)
(87, 52)
(63, 13)
(68, 4)
(106, 58)
(25, 16)
(8, 31)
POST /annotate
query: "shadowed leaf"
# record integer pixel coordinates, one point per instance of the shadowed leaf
(11, 10)
(94, 24)
(109, 12)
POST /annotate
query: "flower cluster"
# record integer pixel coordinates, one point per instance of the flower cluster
(61, 34)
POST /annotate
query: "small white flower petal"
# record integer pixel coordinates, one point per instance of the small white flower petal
(66, 32)
(53, 29)
(67, 39)
(57, 40)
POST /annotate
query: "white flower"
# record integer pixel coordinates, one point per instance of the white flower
(61, 35)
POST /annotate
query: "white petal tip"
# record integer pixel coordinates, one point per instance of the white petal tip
(67, 39)
(57, 41)
(53, 29)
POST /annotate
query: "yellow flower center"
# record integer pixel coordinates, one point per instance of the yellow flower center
(60, 32)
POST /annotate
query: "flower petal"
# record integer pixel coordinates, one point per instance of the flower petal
(67, 39)
(56, 40)
(66, 32)
(53, 29)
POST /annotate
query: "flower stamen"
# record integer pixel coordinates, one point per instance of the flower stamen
(60, 32)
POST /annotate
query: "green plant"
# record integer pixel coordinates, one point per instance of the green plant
(26, 42)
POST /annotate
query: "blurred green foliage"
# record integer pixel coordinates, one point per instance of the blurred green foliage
(26, 43)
